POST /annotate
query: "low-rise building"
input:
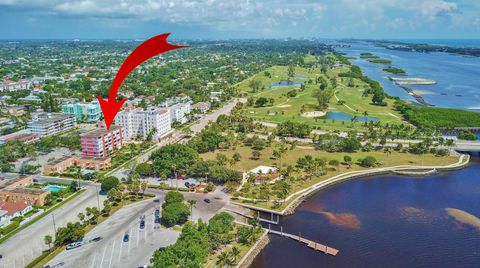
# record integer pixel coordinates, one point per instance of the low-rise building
(17, 110)
(23, 136)
(202, 107)
(101, 142)
(9, 181)
(140, 123)
(83, 111)
(15, 209)
(263, 174)
(9, 85)
(28, 195)
(48, 124)
(61, 165)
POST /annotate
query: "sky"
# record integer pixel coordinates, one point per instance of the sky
(225, 19)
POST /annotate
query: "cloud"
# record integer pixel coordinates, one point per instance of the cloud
(284, 17)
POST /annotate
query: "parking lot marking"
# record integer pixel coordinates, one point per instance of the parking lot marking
(111, 255)
(121, 246)
(93, 262)
(103, 256)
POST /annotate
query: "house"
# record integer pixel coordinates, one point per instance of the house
(179, 108)
(263, 174)
(14, 86)
(30, 196)
(15, 209)
(4, 218)
(18, 110)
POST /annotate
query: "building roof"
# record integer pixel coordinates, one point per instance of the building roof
(30, 191)
(13, 207)
(47, 118)
(263, 170)
(100, 131)
(7, 179)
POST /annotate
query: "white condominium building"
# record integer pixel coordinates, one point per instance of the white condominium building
(139, 123)
(48, 124)
(179, 112)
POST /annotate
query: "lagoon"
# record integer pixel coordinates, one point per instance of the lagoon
(285, 84)
(337, 115)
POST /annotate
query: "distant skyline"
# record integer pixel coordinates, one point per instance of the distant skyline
(224, 19)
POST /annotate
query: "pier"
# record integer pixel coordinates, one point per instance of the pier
(311, 244)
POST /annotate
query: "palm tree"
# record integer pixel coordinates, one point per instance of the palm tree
(223, 259)
(365, 114)
(81, 217)
(48, 240)
(192, 203)
(235, 253)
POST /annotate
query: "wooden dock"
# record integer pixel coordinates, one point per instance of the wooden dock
(311, 244)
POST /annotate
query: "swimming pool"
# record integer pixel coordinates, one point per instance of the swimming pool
(54, 188)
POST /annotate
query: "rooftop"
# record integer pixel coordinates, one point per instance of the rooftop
(12, 207)
(100, 131)
(31, 191)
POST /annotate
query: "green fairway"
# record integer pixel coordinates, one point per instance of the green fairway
(291, 108)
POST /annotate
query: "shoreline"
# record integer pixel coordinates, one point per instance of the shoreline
(345, 177)
(250, 256)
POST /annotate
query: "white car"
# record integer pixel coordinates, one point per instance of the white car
(74, 245)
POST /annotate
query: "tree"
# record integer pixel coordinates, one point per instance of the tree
(291, 71)
(260, 102)
(81, 217)
(143, 186)
(235, 253)
(368, 161)
(144, 169)
(109, 183)
(48, 240)
(256, 154)
(348, 159)
(173, 157)
(219, 229)
(236, 157)
(378, 98)
(254, 84)
(323, 97)
(70, 233)
(175, 213)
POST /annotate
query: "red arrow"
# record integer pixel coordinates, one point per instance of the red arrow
(150, 48)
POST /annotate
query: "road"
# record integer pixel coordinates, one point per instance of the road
(112, 251)
(22, 248)
(177, 135)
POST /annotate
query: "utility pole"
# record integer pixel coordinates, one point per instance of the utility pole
(54, 226)
(98, 198)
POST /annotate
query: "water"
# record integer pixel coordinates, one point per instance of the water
(445, 42)
(54, 188)
(458, 77)
(336, 115)
(285, 84)
(385, 221)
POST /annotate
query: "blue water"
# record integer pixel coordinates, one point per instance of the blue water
(445, 42)
(458, 77)
(385, 221)
(54, 188)
(285, 84)
(336, 115)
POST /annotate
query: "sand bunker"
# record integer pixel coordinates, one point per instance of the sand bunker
(314, 114)
(464, 217)
(284, 106)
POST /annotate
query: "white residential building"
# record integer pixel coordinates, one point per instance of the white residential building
(179, 108)
(9, 85)
(139, 123)
(48, 124)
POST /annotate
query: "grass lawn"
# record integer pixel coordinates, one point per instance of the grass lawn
(302, 181)
(285, 108)
(396, 158)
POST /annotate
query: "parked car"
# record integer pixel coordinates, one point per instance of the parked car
(142, 224)
(206, 200)
(126, 237)
(187, 184)
(74, 245)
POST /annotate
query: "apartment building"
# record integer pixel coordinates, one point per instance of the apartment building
(48, 124)
(179, 108)
(139, 123)
(9, 85)
(83, 111)
(101, 142)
